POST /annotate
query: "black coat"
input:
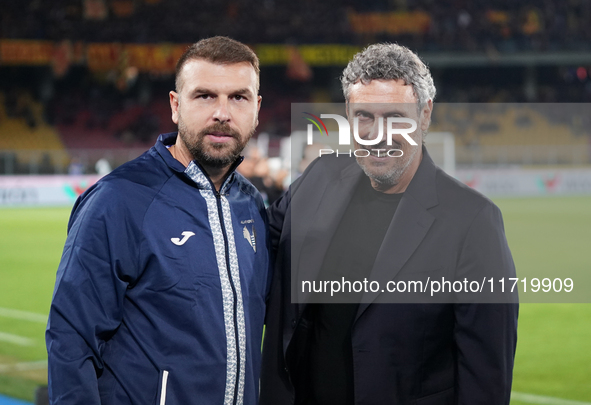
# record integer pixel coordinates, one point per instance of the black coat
(419, 353)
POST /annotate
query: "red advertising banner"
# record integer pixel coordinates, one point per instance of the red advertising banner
(25, 52)
(103, 56)
(414, 22)
(159, 58)
(154, 58)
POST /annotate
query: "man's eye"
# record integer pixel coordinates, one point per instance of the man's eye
(239, 97)
(203, 96)
(363, 115)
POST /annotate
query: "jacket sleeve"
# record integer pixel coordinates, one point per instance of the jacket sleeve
(97, 265)
(485, 333)
(276, 214)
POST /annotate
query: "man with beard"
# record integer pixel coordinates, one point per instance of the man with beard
(160, 293)
(387, 216)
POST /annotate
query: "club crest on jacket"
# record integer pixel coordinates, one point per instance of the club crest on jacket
(250, 237)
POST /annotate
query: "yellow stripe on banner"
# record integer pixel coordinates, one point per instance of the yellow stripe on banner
(313, 55)
(158, 57)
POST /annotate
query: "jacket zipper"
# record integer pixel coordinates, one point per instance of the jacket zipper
(234, 296)
(218, 197)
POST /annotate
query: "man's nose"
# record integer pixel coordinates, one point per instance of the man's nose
(376, 130)
(221, 113)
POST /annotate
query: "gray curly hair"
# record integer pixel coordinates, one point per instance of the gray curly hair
(390, 62)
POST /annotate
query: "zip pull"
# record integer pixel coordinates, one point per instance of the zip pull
(219, 194)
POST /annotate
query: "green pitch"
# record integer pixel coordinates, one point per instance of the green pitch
(31, 242)
(548, 236)
(545, 234)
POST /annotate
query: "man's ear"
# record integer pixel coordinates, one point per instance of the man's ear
(259, 100)
(426, 116)
(174, 106)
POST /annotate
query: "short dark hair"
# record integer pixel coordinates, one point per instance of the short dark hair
(219, 50)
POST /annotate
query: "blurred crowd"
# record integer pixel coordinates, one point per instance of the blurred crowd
(444, 25)
(268, 175)
(92, 110)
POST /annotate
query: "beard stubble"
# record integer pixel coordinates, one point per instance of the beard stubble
(216, 155)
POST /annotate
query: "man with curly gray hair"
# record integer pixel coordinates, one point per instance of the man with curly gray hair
(390, 62)
(386, 220)
(392, 75)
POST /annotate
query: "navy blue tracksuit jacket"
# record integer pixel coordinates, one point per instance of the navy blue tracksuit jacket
(160, 293)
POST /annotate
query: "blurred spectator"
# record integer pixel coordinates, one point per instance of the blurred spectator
(76, 167)
(102, 167)
(264, 173)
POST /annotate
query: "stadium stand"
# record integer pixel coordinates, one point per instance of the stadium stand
(505, 25)
(74, 104)
(36, 146)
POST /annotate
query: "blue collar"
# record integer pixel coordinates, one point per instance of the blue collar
(194, 171)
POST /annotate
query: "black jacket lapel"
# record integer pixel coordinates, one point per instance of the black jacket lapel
(409, 226)
(327, 214)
